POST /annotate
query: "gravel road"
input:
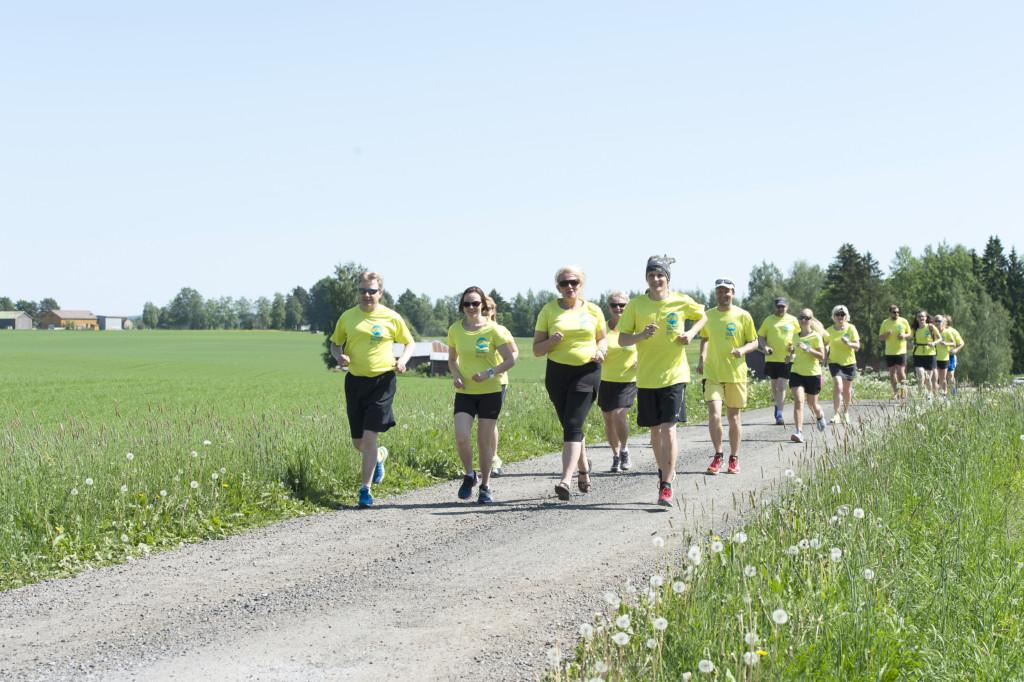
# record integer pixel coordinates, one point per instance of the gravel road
(422, 586)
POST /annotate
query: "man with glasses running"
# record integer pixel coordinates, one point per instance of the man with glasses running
(894, 332)
(775, 337)
(362, 342)
(726, 338)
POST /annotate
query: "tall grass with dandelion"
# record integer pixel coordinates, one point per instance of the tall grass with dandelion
(896, 556)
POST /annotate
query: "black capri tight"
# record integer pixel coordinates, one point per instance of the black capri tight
(572, 390)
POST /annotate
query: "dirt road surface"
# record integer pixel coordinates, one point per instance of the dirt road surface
(422, 586)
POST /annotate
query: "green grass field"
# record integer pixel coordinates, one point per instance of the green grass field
(119, 443)
(899, 558)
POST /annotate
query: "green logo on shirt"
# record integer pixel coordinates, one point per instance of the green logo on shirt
(672, 320)
(481, 345)
(730, 330)
(377, 332)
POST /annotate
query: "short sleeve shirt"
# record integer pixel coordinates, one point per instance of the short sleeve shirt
(894, 345)
(804, 363)
(579, 328)
(368, 338)
(779, 333)
(922, 337)
(724, 331)
(477, 351)
(662, 360)
(838, 352)
(619, 364)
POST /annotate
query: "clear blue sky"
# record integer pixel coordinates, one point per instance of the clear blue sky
(242, 148)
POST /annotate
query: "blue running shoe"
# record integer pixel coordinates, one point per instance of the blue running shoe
(466, 489)
(378, 468)
(485, 495)
(365, 498)
(779, 421)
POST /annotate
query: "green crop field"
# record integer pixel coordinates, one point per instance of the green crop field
(120, 443)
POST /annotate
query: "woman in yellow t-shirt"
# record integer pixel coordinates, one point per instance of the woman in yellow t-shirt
(571, 332)
(843, 341)
(492, 313)
(926, 337)
(958, 345)
(618, 386)
(944, 354)
(805, 376)
(478, 354)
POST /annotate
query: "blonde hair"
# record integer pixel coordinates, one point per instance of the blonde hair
(815, 324)
(841, 309)
(492, 310)
(617, 293)
(367, 275)
(571, 270)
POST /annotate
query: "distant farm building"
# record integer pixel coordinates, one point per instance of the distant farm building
(15, 319)
(110, 323)
(434, 352)
(68, 319)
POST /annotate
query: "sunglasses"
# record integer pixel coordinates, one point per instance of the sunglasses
(366, 291)
(568, 283)
(839, 315)
(894, 312)
(471, 304)
(616, 305)
(803, 317)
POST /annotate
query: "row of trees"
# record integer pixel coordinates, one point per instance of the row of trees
(33, 308)
(189, 310)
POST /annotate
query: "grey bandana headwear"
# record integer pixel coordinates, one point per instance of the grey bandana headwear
(662, 263)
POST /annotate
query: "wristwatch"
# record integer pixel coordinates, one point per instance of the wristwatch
(490, 372)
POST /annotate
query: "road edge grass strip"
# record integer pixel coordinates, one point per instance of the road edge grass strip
(895, 556)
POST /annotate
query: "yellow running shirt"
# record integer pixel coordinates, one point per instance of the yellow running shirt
(579, 328)
(838, 352)
(922, 337)
(724, 332)
(894, 345)
(504, 330)
(477, 352)
(367, 338)
(662, 360)
(619, 365)
(804, 363)
(779, 333)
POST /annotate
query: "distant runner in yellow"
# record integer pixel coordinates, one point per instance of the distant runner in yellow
(618, 386)
(951, 334)
(775, 336)
(726, 338)
(894, 332)
(362, 342)
(492, 313)
(479, 354)
(655, 322)
(805, 379)
(926, 339)
(843, 341)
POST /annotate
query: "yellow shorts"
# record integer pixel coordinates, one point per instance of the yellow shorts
(733, 395)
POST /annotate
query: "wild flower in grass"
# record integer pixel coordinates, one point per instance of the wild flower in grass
(789, 473)
(833, 520)
(693, 554)
(620, 638)
(858, 513)
(804, 544)
(592, 679)
(815, 543)
(129, 456)
(214, 476)
(686, 677)
(657, 581)
(751, 639)
(612, 599)
(554, 658)
(798, 481)
(660, 624)
(868, 574)
(74, 491)
(163, 493)
(780, 617)
(124, 488)
(792, 550)
(652, 597)
(622, 622)
(843, 510)
(206, 442)
(124, 537)
(88, 481)
(679, 587)
(739, 538)
(705, 666)
(194, 485)
(749, 571)
(1022, 438)
(601, 667)
(747, 599)
(658, 541)
(194, 454)
(836, 489)
(835, 554)
(717, 546)
(651, 643)
(920, 427)
(750, 658)
(587, 631)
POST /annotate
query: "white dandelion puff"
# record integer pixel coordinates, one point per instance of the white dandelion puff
(789, 473)
(620, 638)
(686, 677)
(750, 658)
(835, 554)
(836, 489)
(804, 544)
(74, 491)
(815, 543)
(622, 622)
(223, 471)
(214, 476)
(163, 493)
(124, 488)
(660, 624)
(129, 456)
(843, 510)
(717, 546)
(798, 481)
(651, 643)
(749, 571)
(195, 454)
(554, 658)
(705, 666)
(780, 617)
(739, 538)
(751, 639)
(833, 520)
(657, 581)
(612, 599)
(587, 631)
(124, 538)
(88, 481)
(658, 541)
(792, 550)
(858, 513)
(693, 554)
(194, 485)
(206, 442)
(868, 574)
(679, 587)
(601, 667)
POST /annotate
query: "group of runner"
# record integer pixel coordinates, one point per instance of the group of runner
(637, 355)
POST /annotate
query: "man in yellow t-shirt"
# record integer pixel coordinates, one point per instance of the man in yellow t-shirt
(655, 322)
(959, 343)
(362, 342)
(775, 335)
(726, 338)
(894, 332)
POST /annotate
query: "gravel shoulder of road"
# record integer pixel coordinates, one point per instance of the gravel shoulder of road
(421, 586)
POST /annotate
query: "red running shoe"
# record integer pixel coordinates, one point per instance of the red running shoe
(716, 464)
(665, 496)
(734, 465)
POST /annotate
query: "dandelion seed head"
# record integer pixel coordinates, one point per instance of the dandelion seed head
(206, 442)
(660, 624)
(836, 489)
(620, 638)
(751, 639)
(749, 571)
(739, 538)
(747, 599)
(868, 574)
(804, 543)
(195, 454)
(815, 543)
(833, 520)
(124, 488)
(835, 554)
(622, 622)
(780, 617)
(88, 481)
(214, 476)
(554, 658)
(74, 491)
(717, 546)
(612, 599)
(843, 510)
(658, 541)
(223, 471)
(789, 473)
(679, 587)
(705, 666)
(124, 537)
(750, 658)
(163, 493)
(792, 550)
(686, 677)
(651, 643)
(129, 456)
(693, 554)
(657, 581)
(194, 485)
(587, 631)
(858, 513)
(601, 667)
